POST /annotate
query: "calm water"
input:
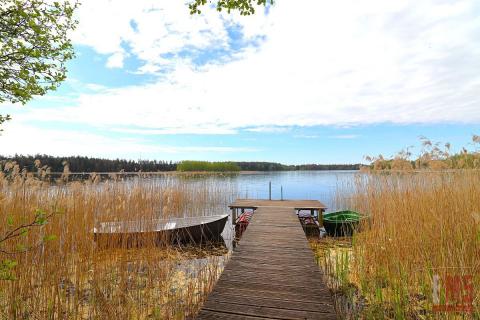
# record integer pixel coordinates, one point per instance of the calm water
(292, 185)
(296, 185)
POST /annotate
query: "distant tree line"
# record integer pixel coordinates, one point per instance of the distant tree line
(86, 164)
(274, 166)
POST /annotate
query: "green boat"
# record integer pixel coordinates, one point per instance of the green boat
(341, 223)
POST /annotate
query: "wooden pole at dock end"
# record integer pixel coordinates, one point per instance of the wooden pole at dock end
(320, 217)
(270, 190)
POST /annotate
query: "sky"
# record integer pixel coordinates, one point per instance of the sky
(303, 81)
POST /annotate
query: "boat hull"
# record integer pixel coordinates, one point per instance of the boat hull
(341, 223)
(196, 234)
(310, 226)
(340, 229)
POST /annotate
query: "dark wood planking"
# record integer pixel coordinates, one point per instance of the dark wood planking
(212, 315)
(272, 273)
(268, 312)
(271, 302)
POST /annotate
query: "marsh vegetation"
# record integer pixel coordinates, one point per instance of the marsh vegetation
(423, 229)
(422, 224)
(56, 271)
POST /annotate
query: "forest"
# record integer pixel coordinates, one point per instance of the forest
(274, 166)
(87, 164)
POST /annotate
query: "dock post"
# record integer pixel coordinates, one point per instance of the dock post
(320, 217)
(270, 190)
(234, 215)
(281, 193)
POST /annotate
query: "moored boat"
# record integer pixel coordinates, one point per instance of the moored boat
(310, 226)
(160, 231)
(341, 223)
(242, 223)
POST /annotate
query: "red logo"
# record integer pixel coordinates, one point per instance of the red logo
(458, 294)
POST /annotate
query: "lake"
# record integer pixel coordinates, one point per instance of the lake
(296, 185)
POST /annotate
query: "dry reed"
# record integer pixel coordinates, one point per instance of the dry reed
(421, 224)
(71, 278)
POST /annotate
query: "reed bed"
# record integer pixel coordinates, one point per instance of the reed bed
(422, 225)
(60, 271)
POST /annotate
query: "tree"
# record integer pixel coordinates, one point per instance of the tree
(7, 265)
(245, 7)
(34, 47)
(3, 119)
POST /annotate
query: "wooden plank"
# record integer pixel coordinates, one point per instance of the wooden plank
(272, 313)
(295, 289)
(281, 280)
(280, 275)
(237, 298)
(283, 296)
(272, 273)
(212, 315)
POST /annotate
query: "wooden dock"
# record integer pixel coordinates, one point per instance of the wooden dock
(272, 273)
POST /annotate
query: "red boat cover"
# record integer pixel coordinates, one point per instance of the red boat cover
(245, 218)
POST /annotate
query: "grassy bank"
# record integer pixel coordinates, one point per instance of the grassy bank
(421, 225)
(68, 277)
(192, 166)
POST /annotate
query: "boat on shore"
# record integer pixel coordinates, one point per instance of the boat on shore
(160, 231)
(341, 223)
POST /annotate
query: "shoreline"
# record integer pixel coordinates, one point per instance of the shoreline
(190, 172)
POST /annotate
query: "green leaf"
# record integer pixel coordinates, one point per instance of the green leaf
(39, 212)
(40, 217)
(41, 220)
(6, 267)
(35, 47)
(21, 247)
(49, 237)
(10, 221)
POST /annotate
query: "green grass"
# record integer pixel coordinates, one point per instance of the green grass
(189, 165)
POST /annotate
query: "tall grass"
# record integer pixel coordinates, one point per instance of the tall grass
(189, 165)
(72, 278)
(421, 224)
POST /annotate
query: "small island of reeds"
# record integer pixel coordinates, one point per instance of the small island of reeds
(207, 166)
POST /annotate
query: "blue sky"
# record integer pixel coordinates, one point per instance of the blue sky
(314, 82)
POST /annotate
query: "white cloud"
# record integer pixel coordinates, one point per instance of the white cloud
(196, 130)
(336, 63)
(151, 29)
(322, 63)
(269, 129)
(20, 138)
(115, 60)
